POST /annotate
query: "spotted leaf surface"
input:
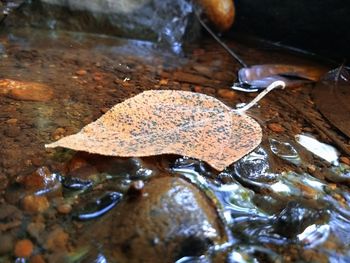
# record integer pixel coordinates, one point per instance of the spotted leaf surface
(169, 122)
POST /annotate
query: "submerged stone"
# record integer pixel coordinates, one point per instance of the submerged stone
(27, 91)
(172, 219)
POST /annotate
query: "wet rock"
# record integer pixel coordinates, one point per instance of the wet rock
(296, 217)
(81, 72)
(35, 204)
(12, 131)
(6, 243)
(64, 209)
(35, 229)
(171, 220)
(276, 127)
(227, 94)
(221, 13)
(41, 181)
(20, 90)
(11, 121)
(23, 248)
(98, 206)
(58, 133)
(345, 160)
(136, 188)
(3, 182)
(57, 240)
(166, 21)
(10, 217)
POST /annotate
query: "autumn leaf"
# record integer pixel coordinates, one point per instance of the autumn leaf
(169, 122)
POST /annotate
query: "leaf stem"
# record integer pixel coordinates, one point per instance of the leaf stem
(273, 85)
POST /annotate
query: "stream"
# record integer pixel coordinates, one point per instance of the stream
(287, 201)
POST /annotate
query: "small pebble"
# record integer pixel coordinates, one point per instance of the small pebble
(311, 168)
(58, 133)
(307, 191)
(163, 82)
(276, 127)
(24, 248)
(35, 204)
(57, 240)
(104, 110)
(227, 94)
(198, 89)
(136, 188)
(29, 91)
(345, 160)
(81, 72)
(35, 229)
(296, 129)
(36, 180)
(307, 129)
(97, 76)
(12, 121)
(12, 131)
(64, 209)
(76, 163)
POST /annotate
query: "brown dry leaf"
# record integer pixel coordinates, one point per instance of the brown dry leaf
(261, 76)
(331, 97)
(169, 122)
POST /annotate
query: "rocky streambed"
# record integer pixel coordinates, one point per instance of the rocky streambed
(284, 202)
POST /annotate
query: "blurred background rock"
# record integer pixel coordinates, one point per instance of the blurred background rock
(319, 26)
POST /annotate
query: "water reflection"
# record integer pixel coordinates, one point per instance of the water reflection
(246, 254)
(285, 150)
(237, 203)
(201, 259)
(314, 235)
(98, 207)
(253, 169)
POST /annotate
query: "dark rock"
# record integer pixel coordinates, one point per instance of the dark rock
(143, 19)
(172, 219)
(296, 217)
(12, 131)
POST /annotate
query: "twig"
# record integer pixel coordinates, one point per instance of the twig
(229, 50)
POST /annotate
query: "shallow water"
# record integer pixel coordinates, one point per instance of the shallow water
(281, 203)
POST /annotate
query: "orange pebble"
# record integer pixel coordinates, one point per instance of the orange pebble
(81, 72)
(23, 248)
(345, 160)
(35, 204)
(276, 127)
(220, 12)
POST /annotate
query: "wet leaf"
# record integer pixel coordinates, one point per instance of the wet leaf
(261, 76)
(169, 122)
(332, 98)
